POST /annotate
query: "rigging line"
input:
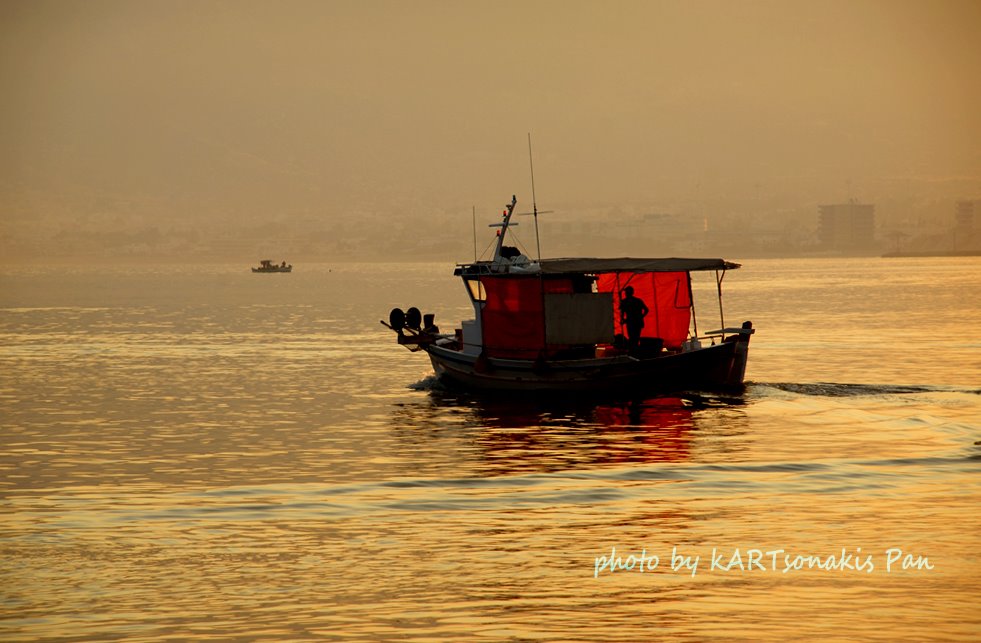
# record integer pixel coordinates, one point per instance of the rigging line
(517, 240)
(492, 242)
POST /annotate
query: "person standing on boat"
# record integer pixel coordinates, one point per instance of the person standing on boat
(633, 310)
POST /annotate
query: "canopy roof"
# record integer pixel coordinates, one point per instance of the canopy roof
(629, 264)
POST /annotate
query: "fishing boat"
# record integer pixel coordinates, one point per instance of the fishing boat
(266, 265)
(573, 324)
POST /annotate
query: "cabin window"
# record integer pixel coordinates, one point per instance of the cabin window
(476, 289)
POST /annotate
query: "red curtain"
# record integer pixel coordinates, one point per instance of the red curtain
(513, 320)
(666, 296)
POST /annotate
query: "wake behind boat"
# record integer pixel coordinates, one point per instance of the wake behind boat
(581, 324)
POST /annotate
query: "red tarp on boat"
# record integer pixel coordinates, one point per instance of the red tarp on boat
(513, 317)
(513, 320)
(666, 295)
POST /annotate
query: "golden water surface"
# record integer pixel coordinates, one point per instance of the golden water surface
(203, 453)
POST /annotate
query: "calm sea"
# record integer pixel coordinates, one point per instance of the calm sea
(197, 452)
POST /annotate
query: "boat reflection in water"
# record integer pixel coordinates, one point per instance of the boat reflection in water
(507, 436)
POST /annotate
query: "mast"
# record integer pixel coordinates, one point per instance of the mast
(504, 226)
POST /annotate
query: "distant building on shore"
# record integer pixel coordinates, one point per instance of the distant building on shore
(847, 227)
(964, 216)
(964, 225)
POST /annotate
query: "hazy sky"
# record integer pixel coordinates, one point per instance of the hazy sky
(208, 107)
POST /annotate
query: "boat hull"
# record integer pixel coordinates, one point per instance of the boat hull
(721, 366)
(287, 269)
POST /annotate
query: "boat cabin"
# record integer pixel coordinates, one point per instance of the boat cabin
(570, 308)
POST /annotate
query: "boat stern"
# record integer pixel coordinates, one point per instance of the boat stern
(740, 337)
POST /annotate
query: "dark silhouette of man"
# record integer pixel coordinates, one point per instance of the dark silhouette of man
(633, 310)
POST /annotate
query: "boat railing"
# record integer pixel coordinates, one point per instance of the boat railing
(726, 334)
(728, 331)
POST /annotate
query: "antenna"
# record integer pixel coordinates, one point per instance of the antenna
(474, 221)
(534, 201)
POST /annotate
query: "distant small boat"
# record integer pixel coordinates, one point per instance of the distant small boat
(266, 265)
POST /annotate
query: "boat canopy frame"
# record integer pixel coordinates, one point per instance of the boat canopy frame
(594, 266)
(629, 264)
(602, 269)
